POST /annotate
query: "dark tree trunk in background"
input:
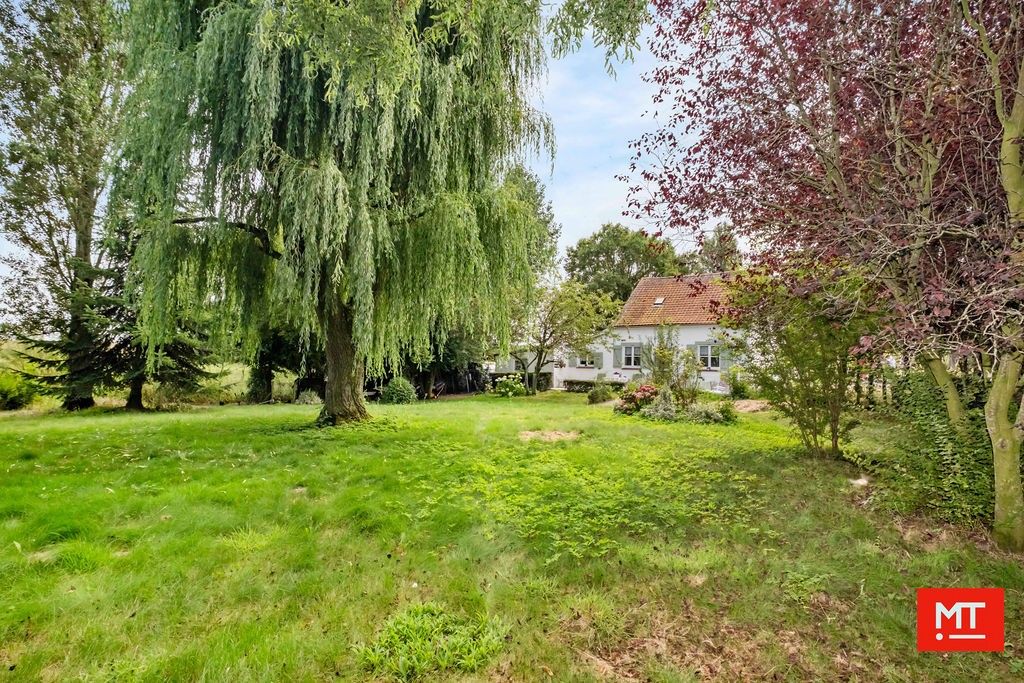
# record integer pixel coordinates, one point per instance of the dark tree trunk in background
(869, 403)
(135, 393)
(345, 372)
(79, 389)
(261, 375)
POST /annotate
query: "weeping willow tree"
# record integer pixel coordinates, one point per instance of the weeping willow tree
(344, 162)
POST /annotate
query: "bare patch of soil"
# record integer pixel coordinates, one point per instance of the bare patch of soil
(751, 406)
(549, 436)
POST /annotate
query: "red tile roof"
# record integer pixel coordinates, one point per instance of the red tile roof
(689, 300)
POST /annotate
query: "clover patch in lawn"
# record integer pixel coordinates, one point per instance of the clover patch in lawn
(426, 639)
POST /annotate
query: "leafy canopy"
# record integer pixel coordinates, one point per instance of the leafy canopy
(362, 145)
(613, 260)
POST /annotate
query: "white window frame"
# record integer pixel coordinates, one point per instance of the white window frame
(708, 352)
(587, 361)
(631, 353)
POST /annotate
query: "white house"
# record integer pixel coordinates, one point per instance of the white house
(684, 304)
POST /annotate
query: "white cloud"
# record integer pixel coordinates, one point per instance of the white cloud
(595, 117)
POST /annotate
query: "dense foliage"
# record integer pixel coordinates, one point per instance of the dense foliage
(427, 639)
(600, 392)
(711, 412)
(635, 397)
(59, 109)
(15, 391)
(613, 259)
(510, 386)
(940, 468)
(398, 391)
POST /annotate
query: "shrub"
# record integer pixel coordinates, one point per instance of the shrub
(795, 333)
(398, 391)
(584, 386)
(425, 639)
(662, 409)
(721, 412)
(308, 398)
(578, 386)
(739, 387)
(510, 386)
(634, 399)
(16, 392)
(601, 392)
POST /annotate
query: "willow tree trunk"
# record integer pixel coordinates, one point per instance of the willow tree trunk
(1007, 435)
(135, 393)
(343, 399)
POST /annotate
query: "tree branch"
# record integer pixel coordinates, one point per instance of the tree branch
(262, 235)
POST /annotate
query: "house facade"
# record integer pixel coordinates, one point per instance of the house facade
(683, 305)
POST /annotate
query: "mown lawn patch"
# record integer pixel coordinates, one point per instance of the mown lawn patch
(241, 544)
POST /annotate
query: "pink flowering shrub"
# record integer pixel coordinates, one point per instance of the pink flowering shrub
(634, 399)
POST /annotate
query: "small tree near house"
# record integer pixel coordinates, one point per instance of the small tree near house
(564, 316)
(671, 366)
(796, 335)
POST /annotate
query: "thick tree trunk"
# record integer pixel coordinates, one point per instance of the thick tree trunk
(135, 393)
(343, 401)
(1007, 435)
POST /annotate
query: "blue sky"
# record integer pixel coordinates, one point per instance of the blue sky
(595, 117)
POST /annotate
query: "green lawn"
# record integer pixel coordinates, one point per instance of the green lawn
(240, 544)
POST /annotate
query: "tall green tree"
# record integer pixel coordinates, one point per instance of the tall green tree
(720, 251)
(613, 260)
(59, 106)
(543, 251)
(348, 161)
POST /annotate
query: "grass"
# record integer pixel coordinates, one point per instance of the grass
(434, 543)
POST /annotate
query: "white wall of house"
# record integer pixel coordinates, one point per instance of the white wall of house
(614, 359)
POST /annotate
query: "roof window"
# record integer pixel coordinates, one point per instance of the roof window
(659, 301)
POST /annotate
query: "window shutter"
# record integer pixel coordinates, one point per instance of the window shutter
(723, 357)
(599, 359)
(617, 357)
(574, 361)
(640, 356)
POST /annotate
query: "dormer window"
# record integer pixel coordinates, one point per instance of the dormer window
(660, 301)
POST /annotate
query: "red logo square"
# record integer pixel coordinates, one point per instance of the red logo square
(960, 620)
